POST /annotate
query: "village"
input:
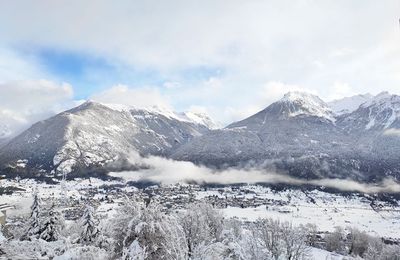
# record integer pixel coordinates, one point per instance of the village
(243, 202)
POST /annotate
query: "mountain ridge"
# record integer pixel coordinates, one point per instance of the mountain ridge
(95, 134)
(299, 134)
(309, 145)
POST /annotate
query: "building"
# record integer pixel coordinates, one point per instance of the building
(3, 213)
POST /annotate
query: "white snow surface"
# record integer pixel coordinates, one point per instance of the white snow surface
(199, 118)
(349, 104)
(320, 254)
(309, 105)
(328, 211)
(382, 104)
(188, 116)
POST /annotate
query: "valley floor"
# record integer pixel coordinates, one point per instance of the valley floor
(247, 203)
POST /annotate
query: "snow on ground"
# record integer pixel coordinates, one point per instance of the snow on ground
(22, 200)
(326, 218)
(316, 207)
(320, 254)
(328, 211)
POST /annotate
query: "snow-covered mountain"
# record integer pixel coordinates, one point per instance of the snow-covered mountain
(349, 104)
(94, 134)
(304, 104)
(380, 112)
(293, 106)
(299, 125)
(199, 118)
(5, 133)
(301, 135)
(370, 123)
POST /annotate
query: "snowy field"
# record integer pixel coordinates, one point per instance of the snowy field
(328, 211)
(323, 209)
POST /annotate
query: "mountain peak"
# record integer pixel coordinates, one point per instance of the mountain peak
(383, 98)
(299, 95)
(200, 118)
(383, 94)
(189, 117)
(379, 112)
(349, 104)
(303, 103)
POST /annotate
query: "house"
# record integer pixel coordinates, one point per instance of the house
(3, 213)
(2, 218)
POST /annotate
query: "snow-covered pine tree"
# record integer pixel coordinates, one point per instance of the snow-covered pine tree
(63, 188)
(89, 227)
(51, 227)
(2, 238)
(34, 219)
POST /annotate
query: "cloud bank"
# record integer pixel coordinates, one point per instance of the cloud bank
(137, 97)
(392, 132)
(168, 171)
(25, 102)
(202, 52)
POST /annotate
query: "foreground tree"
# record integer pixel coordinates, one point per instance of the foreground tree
(359, 242)
(202, 225)
(335, 241)
(51, 227)
(90, 232)
(33, 230)
(311, 231)
(294, 241)
(271, 239)
(2, 238)
(148, 233)
(269, 234)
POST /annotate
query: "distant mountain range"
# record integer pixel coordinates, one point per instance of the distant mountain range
(300, 134)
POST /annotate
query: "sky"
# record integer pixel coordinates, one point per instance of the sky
(229, 58)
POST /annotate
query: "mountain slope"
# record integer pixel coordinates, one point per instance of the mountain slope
(369, 124)
(299, 125)
(300, 135)
(95, 134)
(293, 105)
(349, 104)
(381, 112)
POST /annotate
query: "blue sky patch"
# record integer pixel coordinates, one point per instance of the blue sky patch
(89, 74)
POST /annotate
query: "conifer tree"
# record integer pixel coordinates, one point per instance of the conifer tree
(51, 227)
(89, 227)
(34, 219)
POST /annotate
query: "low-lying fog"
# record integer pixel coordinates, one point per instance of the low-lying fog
(168, 171)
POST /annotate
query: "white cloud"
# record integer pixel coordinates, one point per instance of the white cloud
(392, 132)
(301, 43)
(342, 52)
(253, 41)
(137, 97)
(168, 171)
(25, 102)
(15, 66)
(339, 90)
